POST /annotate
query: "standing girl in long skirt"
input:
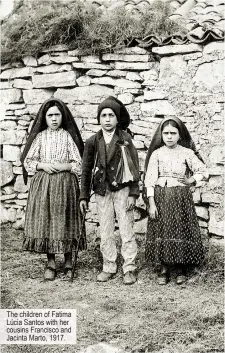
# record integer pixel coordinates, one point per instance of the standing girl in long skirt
(173, 234)
(53, 155)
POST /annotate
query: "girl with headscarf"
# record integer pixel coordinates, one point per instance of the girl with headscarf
(110, 167)
(172, 166)
(52, 154)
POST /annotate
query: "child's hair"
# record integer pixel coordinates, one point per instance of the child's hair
(50, 105)
(172, 123)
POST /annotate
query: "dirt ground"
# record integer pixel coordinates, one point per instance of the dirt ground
(142, 318)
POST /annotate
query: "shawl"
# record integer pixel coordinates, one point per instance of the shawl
(39, 124)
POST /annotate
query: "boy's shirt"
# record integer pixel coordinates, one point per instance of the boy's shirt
(106, 164)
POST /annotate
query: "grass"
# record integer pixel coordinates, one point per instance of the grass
(79, 26)
(142, 318)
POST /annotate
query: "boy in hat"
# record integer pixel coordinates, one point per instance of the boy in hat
(111, 168)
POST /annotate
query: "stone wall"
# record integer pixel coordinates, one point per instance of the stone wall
(182, 79)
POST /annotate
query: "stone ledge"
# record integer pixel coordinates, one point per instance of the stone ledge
(64, 79)
(124, 57)
(177, 49)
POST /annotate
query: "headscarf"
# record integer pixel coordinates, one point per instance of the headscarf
(118, 108)
(39, 124)
(185, 139)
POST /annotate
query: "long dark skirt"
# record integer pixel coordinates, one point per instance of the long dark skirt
(174, 237)
(53, 220)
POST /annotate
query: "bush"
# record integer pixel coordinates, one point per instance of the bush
(78, 26)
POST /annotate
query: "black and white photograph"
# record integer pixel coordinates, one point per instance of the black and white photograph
(112, 176)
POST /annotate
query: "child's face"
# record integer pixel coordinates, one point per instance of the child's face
(108, 119)
(53, 118)
(170, 136)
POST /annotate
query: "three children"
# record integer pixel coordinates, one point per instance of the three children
(110, 167)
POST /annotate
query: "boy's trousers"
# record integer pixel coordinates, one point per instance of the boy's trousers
(115, 203)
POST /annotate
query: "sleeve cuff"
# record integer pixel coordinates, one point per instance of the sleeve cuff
(150, 191)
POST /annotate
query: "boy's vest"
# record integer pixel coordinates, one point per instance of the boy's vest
(106, 164)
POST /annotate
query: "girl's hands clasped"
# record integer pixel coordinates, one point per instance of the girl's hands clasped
(55, 167)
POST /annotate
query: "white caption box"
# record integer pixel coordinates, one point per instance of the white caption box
(38, 326)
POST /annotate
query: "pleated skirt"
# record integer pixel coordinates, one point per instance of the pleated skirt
(53, 222)
(174, 236)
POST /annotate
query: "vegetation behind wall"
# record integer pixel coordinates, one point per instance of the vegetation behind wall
(79, 26)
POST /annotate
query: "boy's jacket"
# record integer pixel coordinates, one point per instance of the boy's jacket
(100, 169)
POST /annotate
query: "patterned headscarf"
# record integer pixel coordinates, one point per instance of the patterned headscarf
(119, 109)
(39, 124)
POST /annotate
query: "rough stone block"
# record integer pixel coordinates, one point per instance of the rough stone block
(19, 185)
(83, 81)
(216, 224)
(80, 95)
(15, 106)
(53, 68)
(35, 96)
(212, 197)
(64, 59)
(19, 224)
(172, 70)
(126, 98)
(11, 153)
(90, 59)
(202, 212)
(8, 197)
(160, 107)
(96, 72)
(13, 137)
(213, 46)
(8, 125)
(177, 49)
(123, 57)
(196, 196)
(44, 60)
(133, 66)
(17, 170)
(7, 190)
(133, 76)
(84, 110)
(59, 79)
(117, 73)
(154, 95)
(132, 50)
(214, 77)
(6, 172)
(6, 84)
(138, 144)
(24, 84)
(22, 195)
(11, 95)
(29, 61)
(91, 66)
(16, 73)
(217, 155)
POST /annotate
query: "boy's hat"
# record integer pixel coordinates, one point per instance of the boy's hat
(119, 109)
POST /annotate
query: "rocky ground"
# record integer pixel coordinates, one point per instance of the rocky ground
(113, 318)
